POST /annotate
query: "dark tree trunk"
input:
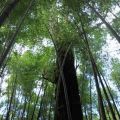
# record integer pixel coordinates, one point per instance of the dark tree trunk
(11, 99)
(117, 3)
(70, 79)
(90, 99)
(13, 36)
(108, 113)
(7, 10)
(112, 98)
(114, 33)
(37, 99)
(28, 108)
(85, 111)
(41, 103)
(49, 115)
(24, 109)
(100, 98)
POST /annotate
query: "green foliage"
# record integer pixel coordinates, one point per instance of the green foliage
(58, 23)
(115, 71)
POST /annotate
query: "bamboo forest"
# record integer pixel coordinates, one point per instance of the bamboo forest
(59, 59)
